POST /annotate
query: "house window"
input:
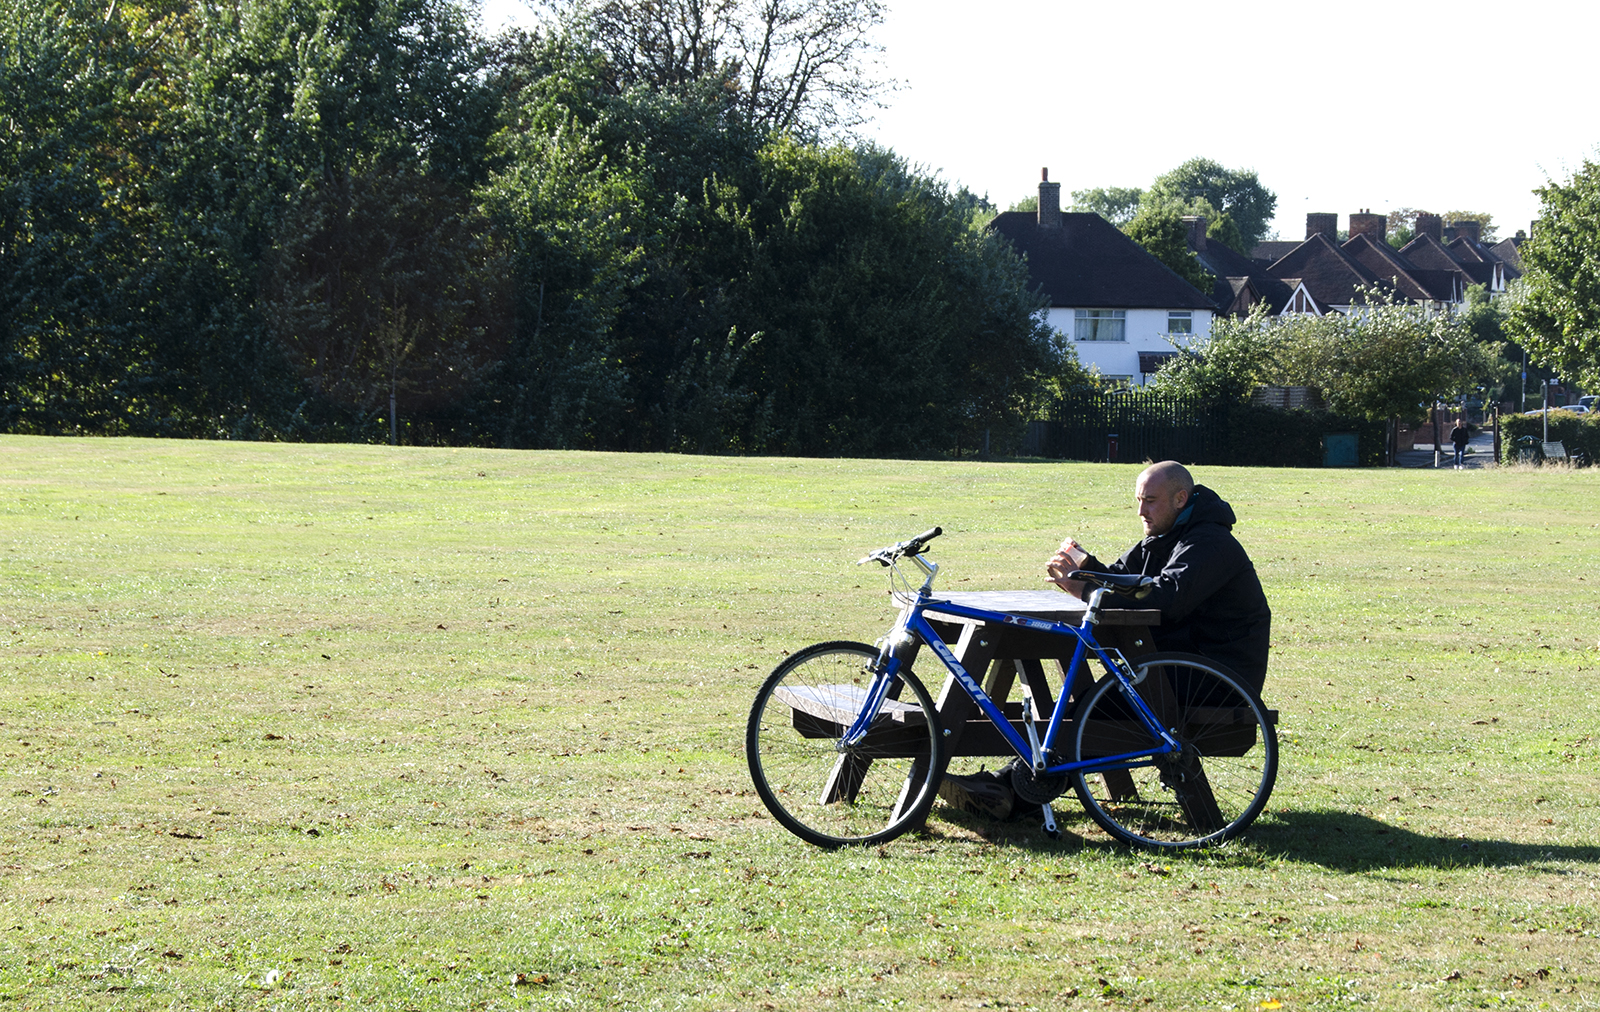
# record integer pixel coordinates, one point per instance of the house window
(1101, 324)
(1180, 322)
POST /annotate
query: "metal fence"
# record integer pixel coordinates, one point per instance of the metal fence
(1128, 426)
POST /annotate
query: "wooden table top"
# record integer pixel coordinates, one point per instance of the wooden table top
(1050, 604)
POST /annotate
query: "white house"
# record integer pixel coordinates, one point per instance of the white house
(1120, 307)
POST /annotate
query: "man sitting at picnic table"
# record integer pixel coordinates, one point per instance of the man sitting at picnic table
(1206, 589)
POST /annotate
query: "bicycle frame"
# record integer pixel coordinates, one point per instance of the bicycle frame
(913, 625)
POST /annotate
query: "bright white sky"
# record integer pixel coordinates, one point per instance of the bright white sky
(1374, 104)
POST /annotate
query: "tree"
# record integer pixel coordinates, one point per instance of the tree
(1164, 234)
(1384, 361)
(80, 118)
(1485, 220)
(889, 325)
(1555, 309)
(795, 65)
(1237, 193)
(1115, 204)
(382, 290)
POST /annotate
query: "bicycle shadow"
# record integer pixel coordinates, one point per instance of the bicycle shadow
(1338, 841)
(1350, 842)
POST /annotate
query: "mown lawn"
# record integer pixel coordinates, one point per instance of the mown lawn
(314, 726)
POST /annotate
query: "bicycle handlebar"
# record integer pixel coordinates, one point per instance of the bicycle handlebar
(915, 546)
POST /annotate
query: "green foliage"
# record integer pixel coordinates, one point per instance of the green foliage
(1386, 360)
(1116, 204)
(1238, 193)
(1163, 233)
(1239, 357)
(889, 325)
(1578, 433)
(351, 219)
(1555, 311)
(1485, 220)
(81, 118)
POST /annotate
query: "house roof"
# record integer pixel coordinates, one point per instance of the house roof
(1509, 254)
(1428, 253)
(1241, 281)
(1393, 266)
(1471, 253)
(1087, 262)
(1328, 274)
(1272, 251)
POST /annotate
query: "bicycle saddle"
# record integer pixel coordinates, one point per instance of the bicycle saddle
(1132, 584)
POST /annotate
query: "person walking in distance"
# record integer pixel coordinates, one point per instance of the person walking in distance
(1459, 438)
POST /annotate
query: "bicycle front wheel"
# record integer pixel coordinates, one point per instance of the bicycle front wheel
(821, 790)
(1207, 793)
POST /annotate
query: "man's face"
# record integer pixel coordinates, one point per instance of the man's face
(1159, 502)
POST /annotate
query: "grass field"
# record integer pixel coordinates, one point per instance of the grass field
(342, 726)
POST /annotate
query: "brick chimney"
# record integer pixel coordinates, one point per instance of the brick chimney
(1197, 231)
(1430, 224)
(1049, 201)
(1327, 224)
(1468, 228)
(1373, 226)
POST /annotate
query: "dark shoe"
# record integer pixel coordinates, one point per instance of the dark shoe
(986, 793)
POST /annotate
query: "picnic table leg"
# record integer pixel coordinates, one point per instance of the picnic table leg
(850, 771)
(975, 649)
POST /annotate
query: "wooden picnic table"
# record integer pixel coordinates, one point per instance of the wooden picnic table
(997, 654)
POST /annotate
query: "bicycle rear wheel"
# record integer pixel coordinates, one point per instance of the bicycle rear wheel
(822, 791)
(1208, 793)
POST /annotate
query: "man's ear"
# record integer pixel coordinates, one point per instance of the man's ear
(1182, 498)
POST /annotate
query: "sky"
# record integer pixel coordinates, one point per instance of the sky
(1365, 104)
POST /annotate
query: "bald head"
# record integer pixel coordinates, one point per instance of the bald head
(1161, 493)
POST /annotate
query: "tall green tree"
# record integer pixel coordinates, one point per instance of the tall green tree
(1116, 204)
(1238, 193)
(1163, 233)
(889, 324)
(80, 121)
(1555, 311)
(293, 109)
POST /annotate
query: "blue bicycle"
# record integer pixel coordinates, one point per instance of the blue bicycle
(845, 744)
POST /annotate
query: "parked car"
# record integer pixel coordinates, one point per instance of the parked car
(1587, 400)
(1578, 408)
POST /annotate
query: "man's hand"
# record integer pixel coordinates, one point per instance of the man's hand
(1068, 558)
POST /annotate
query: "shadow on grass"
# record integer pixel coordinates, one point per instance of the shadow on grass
(1339, 841)
(1345, 841)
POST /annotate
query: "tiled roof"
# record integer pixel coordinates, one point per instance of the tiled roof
(1392, 266)
(1428, 253)
(1509, 254)
(1087, 262)
(1272, 251)
(1328, 274)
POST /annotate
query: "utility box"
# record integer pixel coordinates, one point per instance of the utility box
(1339, 450)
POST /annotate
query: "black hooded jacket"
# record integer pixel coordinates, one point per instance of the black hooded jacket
(1210, 599)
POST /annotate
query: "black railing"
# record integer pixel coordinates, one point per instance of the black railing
(1124, 426)
(1132, 426)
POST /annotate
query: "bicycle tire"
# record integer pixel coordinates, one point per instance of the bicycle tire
(1209, 793)
(832, 796)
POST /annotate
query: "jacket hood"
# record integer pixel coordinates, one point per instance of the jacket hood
(1205, 507)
